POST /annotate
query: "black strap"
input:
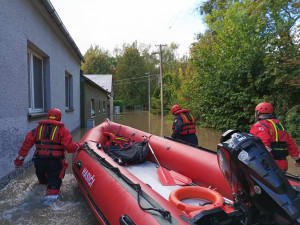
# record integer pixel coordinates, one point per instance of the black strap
(47, 143)
(47, 131)
(46, 149)
(263, 124)
(32, 132)
(166, 214)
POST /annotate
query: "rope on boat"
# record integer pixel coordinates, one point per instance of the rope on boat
(109, 123)
(166, 214)
(189, 144)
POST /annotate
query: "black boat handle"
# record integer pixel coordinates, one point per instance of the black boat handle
(78, 164)
(126, 220)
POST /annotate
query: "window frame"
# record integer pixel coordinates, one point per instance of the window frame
(99, 110)
(104, 107)
(31, 84)
(93, 113)
(68, 91)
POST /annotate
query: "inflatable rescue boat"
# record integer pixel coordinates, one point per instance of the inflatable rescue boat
(132, 177)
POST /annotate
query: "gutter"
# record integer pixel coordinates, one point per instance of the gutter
(50, 9)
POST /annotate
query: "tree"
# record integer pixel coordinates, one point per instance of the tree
(98, 61)
(247, 55)
(131, 85)
(283, 59)
(174, 72)
(227, 58)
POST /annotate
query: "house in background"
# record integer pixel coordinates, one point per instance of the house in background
(40, 69)
(96, 99)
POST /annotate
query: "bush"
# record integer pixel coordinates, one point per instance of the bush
(119, 103)
(292, 122)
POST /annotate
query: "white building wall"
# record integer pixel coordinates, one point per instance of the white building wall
(21, 21)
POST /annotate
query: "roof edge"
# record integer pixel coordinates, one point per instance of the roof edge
(92, 82)
(52, 12)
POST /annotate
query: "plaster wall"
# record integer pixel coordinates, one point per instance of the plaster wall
(23, 25)
(92, 92)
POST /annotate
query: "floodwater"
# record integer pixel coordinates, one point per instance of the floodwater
(22, 202)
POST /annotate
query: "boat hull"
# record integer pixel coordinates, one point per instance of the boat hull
(117, 195)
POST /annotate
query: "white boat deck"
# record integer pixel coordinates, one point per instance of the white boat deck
(147, 172)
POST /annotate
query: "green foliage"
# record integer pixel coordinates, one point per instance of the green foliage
(293, 121)
(98, 61)
(119, 103)
(155, 105)
(130, 66)
(135, 64)
(174, 71)
(246, 56)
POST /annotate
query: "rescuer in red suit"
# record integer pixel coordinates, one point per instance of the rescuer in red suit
(274, 136)
(183, 125)
(51, 139)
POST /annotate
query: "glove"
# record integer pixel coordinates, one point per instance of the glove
(19, 161)
(79, 146)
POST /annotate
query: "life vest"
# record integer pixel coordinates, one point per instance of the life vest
(188, 122)
(47, 140)
(113, 139)
(279, 145)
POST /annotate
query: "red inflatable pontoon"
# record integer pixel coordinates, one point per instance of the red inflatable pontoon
(134, 194)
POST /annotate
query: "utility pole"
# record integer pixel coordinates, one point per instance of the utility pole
(161, 79)
(149, 98)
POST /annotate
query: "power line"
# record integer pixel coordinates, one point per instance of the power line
(174, 19)
(183, 16)
(133, 78)
(135, 81)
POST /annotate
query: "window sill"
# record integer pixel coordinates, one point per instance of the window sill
(70, 110)
(36, 115)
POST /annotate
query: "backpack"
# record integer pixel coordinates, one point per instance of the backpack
(128, 154)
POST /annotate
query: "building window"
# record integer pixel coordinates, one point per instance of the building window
(92, 108)
(69, 91)
(99, 110)
(104, 106)
(36, 82)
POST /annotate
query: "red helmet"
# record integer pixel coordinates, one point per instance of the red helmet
(175, 108)
(54, 114)
(264, 107)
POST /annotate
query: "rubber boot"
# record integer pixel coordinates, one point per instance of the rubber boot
(39, 183)
(52, 193)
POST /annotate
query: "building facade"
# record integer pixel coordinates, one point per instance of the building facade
(96, 99)
(40, 69)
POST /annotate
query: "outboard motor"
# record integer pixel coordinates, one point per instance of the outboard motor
(259, 186)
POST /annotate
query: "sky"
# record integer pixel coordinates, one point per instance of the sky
(111, 23)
